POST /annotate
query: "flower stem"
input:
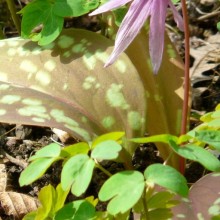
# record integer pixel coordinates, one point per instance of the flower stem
(186, 79)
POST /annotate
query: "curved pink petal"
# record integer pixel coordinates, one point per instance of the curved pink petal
(157, 29)
(130, 27)
(110, 5)
(177, 17)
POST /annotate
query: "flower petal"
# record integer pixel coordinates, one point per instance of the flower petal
(157, 29)
(130, 27)
(177, 17)
(110, 5)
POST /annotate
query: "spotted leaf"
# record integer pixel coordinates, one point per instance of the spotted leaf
(203, 202)
(64, 85)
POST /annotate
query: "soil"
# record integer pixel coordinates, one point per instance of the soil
(19, 142)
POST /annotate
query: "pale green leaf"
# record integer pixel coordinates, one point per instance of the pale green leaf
(47, 198)
(78, 148)
(114, 136)
(106, 150)
(164, 138)
(38, 94)
(60, 198)
(77, 174)
(49, 151)
(35, 170)
(215, 123)
(124, 189)
(167, 177)
(199, 154)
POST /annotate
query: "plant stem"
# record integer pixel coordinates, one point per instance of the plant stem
(15, 18)
(186, 80)
(103, 169)
(146, 215)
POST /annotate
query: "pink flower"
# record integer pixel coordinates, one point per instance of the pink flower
(133, 21)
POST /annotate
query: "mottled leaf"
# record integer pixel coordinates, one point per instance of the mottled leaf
(203, 202)
(64, 85)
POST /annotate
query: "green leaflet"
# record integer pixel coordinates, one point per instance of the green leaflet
(124, 189)
(74, 8)
(52, 24)
(199, 154)
(77, 174)
(51, 150)
(106, 150)
(51, 17)
(167, 177)
(78, 210)
(35, 170)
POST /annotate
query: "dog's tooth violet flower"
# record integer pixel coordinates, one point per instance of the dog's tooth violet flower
(133, 21)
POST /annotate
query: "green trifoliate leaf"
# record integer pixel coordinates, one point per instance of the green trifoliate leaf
(51, 150)
(78, 210)
(199, 154)
(124, 189)
(77, 172)
(106, 150)
(167, 177)
(41, 12)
